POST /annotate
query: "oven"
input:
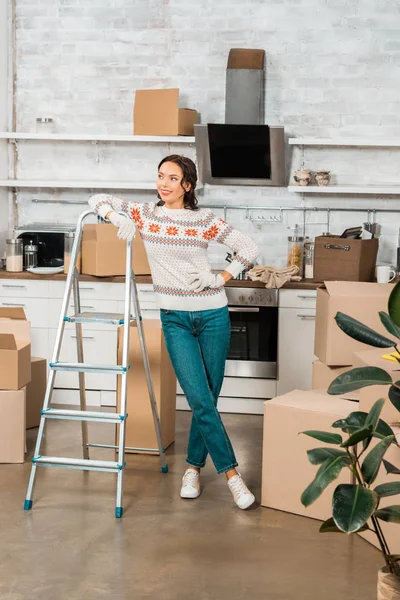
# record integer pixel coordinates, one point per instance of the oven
(254, 333)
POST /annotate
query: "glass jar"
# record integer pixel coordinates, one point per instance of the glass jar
(31, 256)
(309, 259)
(69, 238)
(296, 252)
(14, 259)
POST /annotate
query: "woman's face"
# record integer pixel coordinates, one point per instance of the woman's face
(169, 185)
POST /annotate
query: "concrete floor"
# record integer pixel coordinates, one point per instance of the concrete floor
(70, 546)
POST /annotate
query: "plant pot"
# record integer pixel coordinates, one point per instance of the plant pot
(388, 585)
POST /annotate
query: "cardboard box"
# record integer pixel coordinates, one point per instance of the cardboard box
(286, 470)
(369, 395)
(35, 391)
(15, 362)
(362, 301)
(156, 112)
(391, 531)
(13, 320)
(140, 432)
(104, 254)
(322, 375)
(12, 426)
(343, 259)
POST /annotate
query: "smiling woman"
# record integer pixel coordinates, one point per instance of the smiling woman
(192, 302)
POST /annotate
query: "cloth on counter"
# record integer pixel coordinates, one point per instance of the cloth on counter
(274, 278)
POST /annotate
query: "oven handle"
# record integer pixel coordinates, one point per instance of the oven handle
(253, 309)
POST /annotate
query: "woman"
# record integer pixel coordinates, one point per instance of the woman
(192, 302)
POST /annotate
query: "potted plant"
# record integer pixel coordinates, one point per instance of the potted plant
(356, 506)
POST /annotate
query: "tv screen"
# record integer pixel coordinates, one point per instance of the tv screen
(240, 151)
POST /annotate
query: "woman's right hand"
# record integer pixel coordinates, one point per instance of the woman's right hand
(126, 227)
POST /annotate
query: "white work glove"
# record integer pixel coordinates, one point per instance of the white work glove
(126, 227)
(204, 279)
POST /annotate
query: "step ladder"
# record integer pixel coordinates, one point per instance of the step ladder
(83, 415)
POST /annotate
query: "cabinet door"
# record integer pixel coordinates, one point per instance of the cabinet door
(40, 342)
(296, 331)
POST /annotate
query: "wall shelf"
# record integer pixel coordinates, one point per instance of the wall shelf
(365, 142)
(76, 137)
(83, 185)
(379, 190)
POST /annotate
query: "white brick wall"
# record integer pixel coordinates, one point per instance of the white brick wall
(332, 70)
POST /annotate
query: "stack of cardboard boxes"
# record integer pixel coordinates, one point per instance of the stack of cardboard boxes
(286, 470)
(22, 384)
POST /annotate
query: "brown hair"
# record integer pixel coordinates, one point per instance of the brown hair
(189, 176)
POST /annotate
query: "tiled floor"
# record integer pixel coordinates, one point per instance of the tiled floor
(70, 546)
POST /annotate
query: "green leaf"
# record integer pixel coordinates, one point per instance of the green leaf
(360, 332)
(374, 414)
(391, 469)
(389, 513)
(358, 436)
(356, 420)
(389, 324)
(388, 489)
(328, 471)
(394, 395)
(352, 506)
(359, 378)
(372, 461)
(329, 526)
(394, 304)
(324, 436)
(320, 455)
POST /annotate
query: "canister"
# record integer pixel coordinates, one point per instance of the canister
(14, 258)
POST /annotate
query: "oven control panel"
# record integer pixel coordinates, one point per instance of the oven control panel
(251, 296)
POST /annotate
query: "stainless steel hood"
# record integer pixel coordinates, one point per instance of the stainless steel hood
(243, 151)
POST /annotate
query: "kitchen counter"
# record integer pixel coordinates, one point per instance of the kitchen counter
(302, 285)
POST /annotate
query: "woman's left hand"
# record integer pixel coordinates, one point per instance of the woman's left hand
(205, 279)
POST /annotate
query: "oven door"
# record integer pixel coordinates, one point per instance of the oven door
(254, 342)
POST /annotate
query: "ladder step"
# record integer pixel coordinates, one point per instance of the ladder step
(94, 317)
(82, 415)
(77, 463)
(84, 368)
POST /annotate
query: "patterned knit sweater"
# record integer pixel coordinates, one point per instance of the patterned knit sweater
(176, 241)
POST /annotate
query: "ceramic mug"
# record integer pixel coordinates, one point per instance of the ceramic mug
(385, 274)
(302, 176)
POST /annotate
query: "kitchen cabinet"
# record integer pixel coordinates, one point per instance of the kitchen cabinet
(296, 330)
(42, 300)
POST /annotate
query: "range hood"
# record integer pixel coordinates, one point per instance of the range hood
(243, 151)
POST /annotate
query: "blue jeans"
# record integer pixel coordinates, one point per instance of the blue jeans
(198, 343)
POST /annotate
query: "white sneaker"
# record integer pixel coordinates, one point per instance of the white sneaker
(190, 484)
(240, 492)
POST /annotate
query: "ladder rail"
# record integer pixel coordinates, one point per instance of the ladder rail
(79, 353)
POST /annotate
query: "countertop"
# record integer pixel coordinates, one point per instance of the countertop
(301, 285)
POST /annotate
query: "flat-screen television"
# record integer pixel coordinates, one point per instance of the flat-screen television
(241, 154)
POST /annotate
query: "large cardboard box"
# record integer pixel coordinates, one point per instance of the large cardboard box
(12, 426)
(391, 531)
(286, 470)
(361, 301)
(140, 432)
(370, 394)
(156, 112)
(104, 254)
(344, 259)
(322, 375)
(35, 391)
